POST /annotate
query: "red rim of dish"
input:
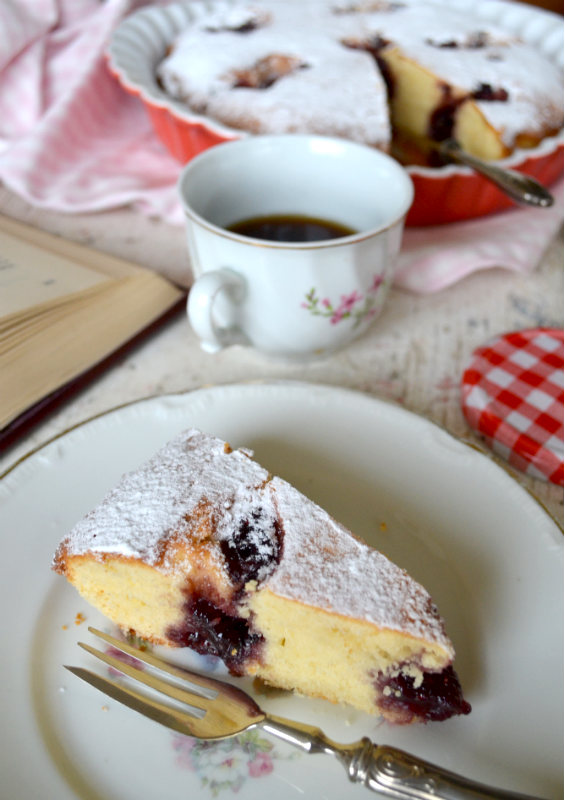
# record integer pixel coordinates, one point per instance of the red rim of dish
(454, 195)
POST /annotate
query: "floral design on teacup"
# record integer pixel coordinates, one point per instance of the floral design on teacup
(228, 763)
(354, 305)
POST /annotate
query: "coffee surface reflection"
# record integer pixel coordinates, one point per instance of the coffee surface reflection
(290, 228)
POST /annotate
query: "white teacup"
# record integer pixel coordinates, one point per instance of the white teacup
(285, 298)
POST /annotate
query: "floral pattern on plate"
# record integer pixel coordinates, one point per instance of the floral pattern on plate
(228, 763)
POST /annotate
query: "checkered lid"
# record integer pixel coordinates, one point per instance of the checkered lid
(512, 395)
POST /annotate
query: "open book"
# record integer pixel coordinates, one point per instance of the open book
(64, 309)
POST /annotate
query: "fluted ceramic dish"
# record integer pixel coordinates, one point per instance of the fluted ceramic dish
(486, 550)
(442, 195)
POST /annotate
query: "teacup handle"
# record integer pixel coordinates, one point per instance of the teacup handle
(202, 297)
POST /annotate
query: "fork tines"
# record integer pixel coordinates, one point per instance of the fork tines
(198, 705)
(132, 662)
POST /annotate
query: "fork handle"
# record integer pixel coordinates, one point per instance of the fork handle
(387, 770)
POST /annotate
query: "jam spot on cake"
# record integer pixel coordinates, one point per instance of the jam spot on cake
(487, 92)
(212, 626)
(245, 27)
(212, 631)
(254, 549)
(449, 45)
(373, 45)
(438, 696)
(239, 21)
(474, 41)
(442, 119)
(267, 71)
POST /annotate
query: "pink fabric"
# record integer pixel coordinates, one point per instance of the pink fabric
(72, 140)
(434, 258)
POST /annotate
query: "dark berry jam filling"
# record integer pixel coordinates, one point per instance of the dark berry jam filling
(252, 23)
(437, 698)
(266, 71)
(210, 631)
(254, 549)
(474, 41)
(487, 92)
(442, 119)
(212, 625)
(245, 27)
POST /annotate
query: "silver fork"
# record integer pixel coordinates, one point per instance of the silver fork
(211, 709)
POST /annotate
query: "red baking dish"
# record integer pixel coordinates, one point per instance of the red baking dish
(442, 195)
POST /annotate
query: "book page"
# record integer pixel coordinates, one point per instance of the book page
(31, 276)
(104, 263)
(86, 333)
(64, 309)
(25, 324)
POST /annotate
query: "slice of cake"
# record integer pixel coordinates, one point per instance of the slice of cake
(451, 74)
(202, 548)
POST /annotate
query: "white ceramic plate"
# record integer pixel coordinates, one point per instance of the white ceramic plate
(486, 550)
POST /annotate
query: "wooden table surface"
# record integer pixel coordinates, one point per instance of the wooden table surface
(414, 354)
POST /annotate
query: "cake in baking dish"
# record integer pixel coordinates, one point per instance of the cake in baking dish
(200, 547)
(394, 74)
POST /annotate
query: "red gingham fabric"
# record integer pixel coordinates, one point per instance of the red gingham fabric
(512, 395)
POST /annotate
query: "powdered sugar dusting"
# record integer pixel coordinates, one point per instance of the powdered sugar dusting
(259, 528)
(325, 566)
(160, 499)
(204, 63)
(339, 90)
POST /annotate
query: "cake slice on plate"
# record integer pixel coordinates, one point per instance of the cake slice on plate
(201, 547)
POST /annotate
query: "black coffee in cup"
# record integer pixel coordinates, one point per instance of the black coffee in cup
(290, 228)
